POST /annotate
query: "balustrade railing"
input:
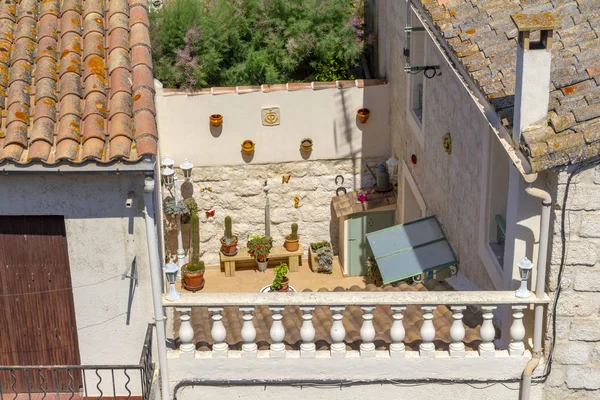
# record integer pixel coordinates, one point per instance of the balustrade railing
(337, 302)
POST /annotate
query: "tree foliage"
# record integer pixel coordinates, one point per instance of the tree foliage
(200, 43)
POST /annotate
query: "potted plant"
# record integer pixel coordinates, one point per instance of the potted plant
(216, 120)
(259, 248)
(193, 272)
(229, 241)
(281, 283)
(172, 208)
(292, 241)
(306, 144)
(320, 257)
(363, 115)
(373, 273)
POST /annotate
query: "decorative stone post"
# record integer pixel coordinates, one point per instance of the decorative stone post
(249, 347)
(487, 333)
(367, 333)
(186, 332)
(307, 333)
(397, 333)
(427, 348)
(218, 333)
(277, 349)
(457, 332)
(338, 333)
(517, 332)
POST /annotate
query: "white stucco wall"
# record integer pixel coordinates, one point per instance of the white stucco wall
(103, 237)
(328, 116)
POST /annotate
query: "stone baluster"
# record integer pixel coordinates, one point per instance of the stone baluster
(457, 332)
(367, 333)
(218, 333)
(427, 348)
(517, 332)
(487, 333)
(277, 349)
(338, 333)
(186, 332)
(249, 348)
(397, 333)
(307, 333)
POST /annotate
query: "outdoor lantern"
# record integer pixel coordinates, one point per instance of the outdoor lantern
(186, 168)
(171, 270)
(392, 167)
(525, 267)
(168, 162)
(168, 175)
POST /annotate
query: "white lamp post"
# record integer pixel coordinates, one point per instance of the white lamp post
(171, 270)
(392, 168)
(525, 267)
(170, 179)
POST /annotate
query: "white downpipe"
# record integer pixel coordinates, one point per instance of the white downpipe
(155, 278)
(539, 287)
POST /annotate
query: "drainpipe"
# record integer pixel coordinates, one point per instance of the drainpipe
(155, 278)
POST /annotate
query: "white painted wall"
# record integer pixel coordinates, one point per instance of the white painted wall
(328, 116)
(103, 237)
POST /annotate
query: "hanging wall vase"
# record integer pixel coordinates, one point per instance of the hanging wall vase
(216, 120)
(306, 145)
(363, 115)
(247, 146)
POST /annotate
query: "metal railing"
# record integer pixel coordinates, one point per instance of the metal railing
(81, 381)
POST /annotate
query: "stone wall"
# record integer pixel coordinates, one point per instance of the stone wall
(576, 366)
(238, 191)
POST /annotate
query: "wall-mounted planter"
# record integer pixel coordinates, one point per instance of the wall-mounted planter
(247, 147)
(216, 120)
(363, 115)
(306, 145)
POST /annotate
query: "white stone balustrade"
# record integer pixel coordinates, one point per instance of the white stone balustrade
(367, 301)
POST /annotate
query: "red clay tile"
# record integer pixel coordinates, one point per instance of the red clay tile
(20, 71)
(67, 149)
(120, 81)
(16, 133)
(46, 68)
(70, 62)
(93, 127)
(93, 148)
(273, 88)
(26, 28)
(95, 103)
(49, 7)
(70, 104)
(118, 38)
(143, 3)
(94, 65)
(23, 50)
(70, 42)
(118, 21)
(93, 6)
(140, 55)
(247, 89)
(121, 103)
(7, 10)
(94, 83)
(70, 21)
(45, 108)
(69, 84)
(11, 151)
(18, 93)
(345, 84)
(45, 88)
(18, 114)
(119, 147)
(142, 76)
(120, 125)
(143, 99)
(223, 90)
(118, 58)
(145, 124)
(93, 23)
(39, 150)
(138, 14)
(118, 6)
(93, 44)
(293, 86)
(140, 35)
(71, 5)
(48, 26)
(69, 127)
(43, 129)
(146, 145)
(47, 47)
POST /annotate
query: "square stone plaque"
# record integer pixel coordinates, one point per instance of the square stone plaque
(270, 116)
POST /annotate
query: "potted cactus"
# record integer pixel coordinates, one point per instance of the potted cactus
(281, 283)
(259, 248)
(292, 241)
(193, 272)
(229, 241)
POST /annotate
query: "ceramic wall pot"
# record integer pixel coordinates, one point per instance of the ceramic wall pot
(363, 115)
(247, 146)
(216, 120)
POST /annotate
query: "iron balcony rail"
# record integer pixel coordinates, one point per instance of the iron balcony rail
(80, 381)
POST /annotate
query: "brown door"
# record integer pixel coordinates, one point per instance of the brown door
(37, 313)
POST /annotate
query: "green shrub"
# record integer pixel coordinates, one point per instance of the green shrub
(280, 275)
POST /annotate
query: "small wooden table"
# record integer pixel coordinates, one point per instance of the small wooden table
(294, 258)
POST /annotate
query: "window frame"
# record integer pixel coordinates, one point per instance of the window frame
(416, 125)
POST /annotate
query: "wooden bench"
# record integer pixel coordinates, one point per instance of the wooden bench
(294, 258)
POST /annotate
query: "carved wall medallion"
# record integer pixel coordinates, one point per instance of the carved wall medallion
(270, 116)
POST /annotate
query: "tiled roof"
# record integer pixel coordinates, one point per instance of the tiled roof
(76, 81)
(483, 36)
(346, 204)
(322, 321)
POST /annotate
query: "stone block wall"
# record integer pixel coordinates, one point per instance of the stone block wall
(576, 366)
(238, 191)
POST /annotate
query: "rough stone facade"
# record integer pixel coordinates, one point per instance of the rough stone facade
(576, 366)
(238, 191)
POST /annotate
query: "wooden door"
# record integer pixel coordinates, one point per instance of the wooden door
(36, 303)
(358, 246)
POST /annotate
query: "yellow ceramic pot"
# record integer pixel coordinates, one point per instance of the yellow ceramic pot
(247, 146)
(363, 115)
(216, 119)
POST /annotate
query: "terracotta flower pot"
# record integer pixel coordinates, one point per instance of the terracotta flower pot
(247, 146)
(216, 120)
(291, 245)
(229, 250)
(192, 281)
(363, 115)
(306, 145)
(285, 285)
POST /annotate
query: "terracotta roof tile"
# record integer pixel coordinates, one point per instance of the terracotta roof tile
(63, 95)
